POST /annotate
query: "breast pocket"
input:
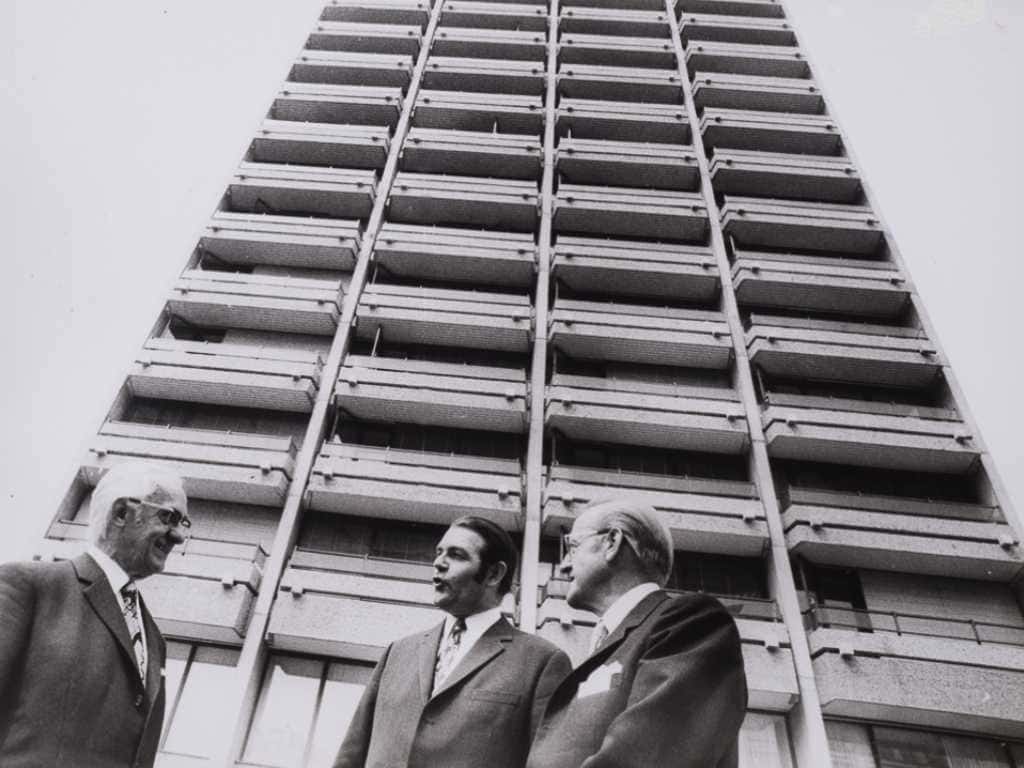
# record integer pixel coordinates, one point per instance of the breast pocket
(496, 697)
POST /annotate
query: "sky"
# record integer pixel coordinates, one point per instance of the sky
(124, 121)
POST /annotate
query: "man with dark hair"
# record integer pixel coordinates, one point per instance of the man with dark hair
(468, 692)
(664, 684)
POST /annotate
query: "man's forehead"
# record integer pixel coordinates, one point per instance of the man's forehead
(458, 536)
(589, 520)
(167, 492)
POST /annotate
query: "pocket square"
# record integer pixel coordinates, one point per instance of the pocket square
(602, 679)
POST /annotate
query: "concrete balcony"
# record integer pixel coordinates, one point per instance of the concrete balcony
(830, 433)
(627, 5)
(654, 415)
(854, 287)
(341, 104)
(717, 28)
(378, 11)
(473, 153)
(223, 466)
(617, 50)
(624, 267)
(770, 131)
(456, 73)
(422, 198)
(749, 92)
(801, 177)
(258, 302)
(341, 68)
(284, 241)
(427, 392)
(889, 533)
(489, 43)
(226, 374)
(767, 654)
(640, 334)
(922, 680)
(348, 606)
(465, 111)
(785, 224)
(613, 21)
(740, 59)
(415, 486)
(756, 8)
(590, 81)
(631, 212)
(221, 580)
(336, 193)
(488, 15)
(454, 255)
(828, 350)
(627, 163)
(719, 516)
(361, 37)
(438, 316)
(349, 146)
(618, 120)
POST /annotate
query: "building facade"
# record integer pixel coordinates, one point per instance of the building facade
(503, 259)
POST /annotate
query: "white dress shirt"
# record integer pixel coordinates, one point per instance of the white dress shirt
(627, 601)
(476, 625)
(117, 579)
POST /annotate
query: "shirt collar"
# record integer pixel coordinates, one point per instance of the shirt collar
(115, 573)
(627, 601)
(476, 624)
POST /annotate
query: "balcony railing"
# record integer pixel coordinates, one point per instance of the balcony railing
(591, 81)
(785, 176)
(757, 222)
(337, 193)
(622, 120)
(715, 27)
(362, 37)
(489, 43)
(456, 73)
(613, 21)
(473, 153)
(598, 265)
(340, 104)
(627, 163)
(756, 8)
(421, 198)
(378, 11)
(455, 255)
(629, 5)
(341, 68)
(226, 374)
(617, 50)
(348, 146)
(631, 212)
(770, 131)
(286, 241)
(426, 392)
(750, 92)
(447, 317)
(741, 59)
(468, 111)
(491, 15)
(923, 625)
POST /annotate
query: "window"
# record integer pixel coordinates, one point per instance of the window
(865, 746)
(719, 574)
(304, 709)
(764, 742)
(199, 718)
(328, 532)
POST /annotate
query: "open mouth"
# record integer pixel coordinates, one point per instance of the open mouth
(163, 546)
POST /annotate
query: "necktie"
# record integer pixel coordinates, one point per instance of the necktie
(448, 651)
(598, 636)
(130, 596)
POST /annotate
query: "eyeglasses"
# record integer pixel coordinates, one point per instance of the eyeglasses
(570, 542)
(168, 515)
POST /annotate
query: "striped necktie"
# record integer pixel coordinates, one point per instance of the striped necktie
(448, 651)
(130, 597)
(598, 636)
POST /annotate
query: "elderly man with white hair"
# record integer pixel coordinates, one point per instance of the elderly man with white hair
(81, 659)
(663, 685)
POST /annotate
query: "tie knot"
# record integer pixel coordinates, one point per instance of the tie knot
(129, 591)
(458, 628)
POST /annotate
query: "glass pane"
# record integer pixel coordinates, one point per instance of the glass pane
(965, 752)
(850, 745)
(342, 691)
(284, 713)
(203, 719)
(764, 742)
(898, 748)
(175, 669)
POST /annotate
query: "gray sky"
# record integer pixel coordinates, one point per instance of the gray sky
(124, 121)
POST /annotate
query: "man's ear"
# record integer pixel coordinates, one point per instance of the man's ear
(496, 573)
(613, 544)
(119, 513)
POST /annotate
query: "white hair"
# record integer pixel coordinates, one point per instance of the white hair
(131, 480)
(644, 529)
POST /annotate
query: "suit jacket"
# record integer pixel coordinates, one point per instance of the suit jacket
(666, 689)
(70, 690)
(483, 714)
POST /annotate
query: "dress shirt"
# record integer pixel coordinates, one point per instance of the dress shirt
(476, 625)
(117, 579)
(627, 601)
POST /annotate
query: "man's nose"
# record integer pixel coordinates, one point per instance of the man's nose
(565, 567)
(177, 535)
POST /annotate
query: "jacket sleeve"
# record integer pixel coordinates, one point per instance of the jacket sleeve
(556, 669)
(17, 606)
(689, 694)
(356, 743)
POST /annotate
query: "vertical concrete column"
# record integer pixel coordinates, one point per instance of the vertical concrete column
(538, 372)
(807, 727)
(253, 657)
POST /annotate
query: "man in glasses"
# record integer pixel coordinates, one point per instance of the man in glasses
(663, 683)
(81, 660)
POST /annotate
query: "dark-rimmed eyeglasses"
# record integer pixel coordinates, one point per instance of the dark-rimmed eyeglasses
(168, 515)
(571, 542)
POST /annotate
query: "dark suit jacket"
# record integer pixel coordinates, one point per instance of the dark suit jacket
(70, 691)
(666, 690)
(483, 714)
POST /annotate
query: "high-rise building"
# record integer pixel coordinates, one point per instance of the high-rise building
(504, 258)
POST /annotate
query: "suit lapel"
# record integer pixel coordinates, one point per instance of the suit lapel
(490, 644)
(100, 594)
(633, 619)
(154, 652)
(430, 641)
